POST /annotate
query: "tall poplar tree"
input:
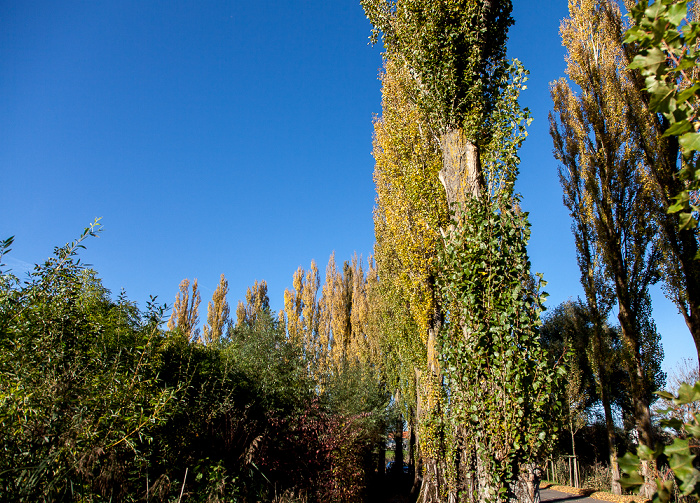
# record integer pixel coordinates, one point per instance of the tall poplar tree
(464, 95)
(256, 302)
(185, 315)
(599, 295)
(411, 208)
(301, 312)
(218, 312)
(593, 141)
(293, 308)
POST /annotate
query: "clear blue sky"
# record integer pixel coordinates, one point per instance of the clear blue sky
(229, 137)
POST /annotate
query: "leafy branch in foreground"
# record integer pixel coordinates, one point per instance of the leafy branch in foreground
(680, 458)
(667, 45)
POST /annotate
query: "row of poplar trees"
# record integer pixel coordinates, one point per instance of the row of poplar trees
(619, 174)
(331, 323)
(447, 319)
(459, 306)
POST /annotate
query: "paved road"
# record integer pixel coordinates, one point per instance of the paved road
(556, 496)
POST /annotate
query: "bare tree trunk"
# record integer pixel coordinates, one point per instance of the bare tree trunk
(615, 486)
(642, 413)
(527, 483)
(461, 174)
(398, 440)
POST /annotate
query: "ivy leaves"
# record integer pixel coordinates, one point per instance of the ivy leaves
(501, 380)
(667, 44)
(680, 459)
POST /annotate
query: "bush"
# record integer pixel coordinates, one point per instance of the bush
(98, 403)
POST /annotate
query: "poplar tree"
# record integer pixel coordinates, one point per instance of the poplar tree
(301, 314)
(360, 344)
(411, 208)
(592, 140)
(185, 315)
(293, 308)
(344, 337)
(256, 303)
(217, 314)
(599, 295)
(464, 95)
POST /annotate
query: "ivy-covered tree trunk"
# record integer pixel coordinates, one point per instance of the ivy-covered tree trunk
(462, 178)
(495, 408)
(428, 412)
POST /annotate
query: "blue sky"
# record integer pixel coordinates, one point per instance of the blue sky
(229, 137)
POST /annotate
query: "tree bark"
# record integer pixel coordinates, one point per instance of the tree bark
(527, 483)
(635, 369)
(615, 486)
(461, 174)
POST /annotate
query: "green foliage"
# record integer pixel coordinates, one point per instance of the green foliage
(667, 45)
(679, 455)
(502, 382)
(455, 50)
(78, 395)
(507, 123)
(97, 403)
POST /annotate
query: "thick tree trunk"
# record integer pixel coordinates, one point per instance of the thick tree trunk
(461, 174)
(635, 370)
(464, 484)
(527, 484)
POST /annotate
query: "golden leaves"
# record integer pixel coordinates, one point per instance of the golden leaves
(411, 204)
(256, 302)
(185, 315)
(217, 313)
(333, 331)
